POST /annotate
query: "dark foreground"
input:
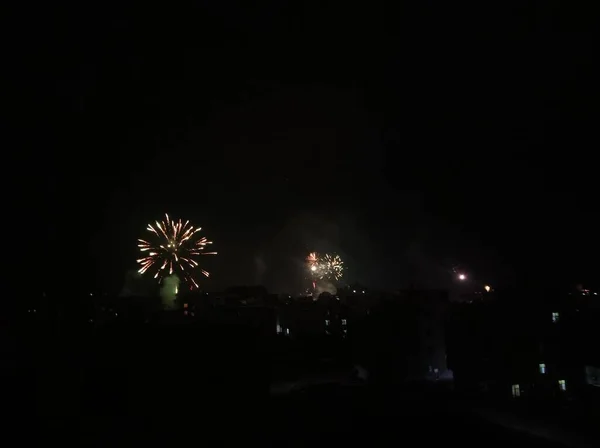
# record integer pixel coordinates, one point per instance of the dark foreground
(322, 414)
(172, 387)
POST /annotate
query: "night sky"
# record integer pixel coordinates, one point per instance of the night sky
(409, 140)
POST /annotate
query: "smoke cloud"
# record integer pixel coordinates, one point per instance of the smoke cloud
(325, 286)
(135, 284)
(169, 290)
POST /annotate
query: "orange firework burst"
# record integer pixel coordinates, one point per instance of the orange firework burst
(312, 259)
(172, 250)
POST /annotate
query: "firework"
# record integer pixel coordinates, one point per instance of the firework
(172, 249)
(313, 261)
(332, 266)
(328, 266)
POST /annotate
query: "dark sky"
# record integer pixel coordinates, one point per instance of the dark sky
(409, 140)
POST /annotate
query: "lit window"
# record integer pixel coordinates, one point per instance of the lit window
(185, 305)
(516, 391)
(287, 331)
(555, 317)
(562, 385)
(343, 321)
(542, 368)
(327, 322)
(279, 329)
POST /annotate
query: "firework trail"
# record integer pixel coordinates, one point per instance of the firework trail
(172, 249)
(312, 262)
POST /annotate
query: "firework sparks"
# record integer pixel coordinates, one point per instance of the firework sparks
(328, 267)
(173, 246)
(313, 261)
(333, 266)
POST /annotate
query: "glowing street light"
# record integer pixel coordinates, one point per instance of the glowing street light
(487, 288)
(462, 277)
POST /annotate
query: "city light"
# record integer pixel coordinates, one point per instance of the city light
(462, 277)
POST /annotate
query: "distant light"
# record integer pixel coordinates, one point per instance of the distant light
(313, 268)
(354, 290)
(363, 292)
(462, 277)
(117, 314)
(516, 391)
(91, 294)
(595, 293)
(488, 288)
